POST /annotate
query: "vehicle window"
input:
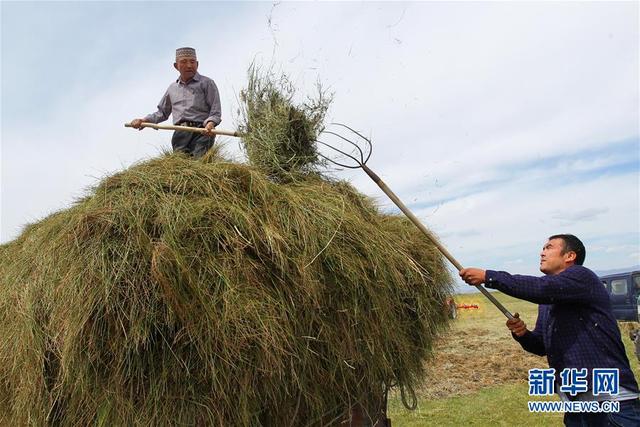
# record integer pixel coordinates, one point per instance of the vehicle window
(636, 280)
(619, 286)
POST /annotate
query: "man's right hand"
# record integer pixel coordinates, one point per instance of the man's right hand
(137, 123)
(517, 326)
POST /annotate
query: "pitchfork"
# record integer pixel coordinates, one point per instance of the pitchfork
(185, 128)
(360, 162)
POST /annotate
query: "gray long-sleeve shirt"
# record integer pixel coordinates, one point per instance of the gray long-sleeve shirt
(197, 100)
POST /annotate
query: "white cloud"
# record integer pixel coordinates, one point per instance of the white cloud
(570, 216)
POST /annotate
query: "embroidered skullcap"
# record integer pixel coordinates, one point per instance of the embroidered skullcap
(185, 52)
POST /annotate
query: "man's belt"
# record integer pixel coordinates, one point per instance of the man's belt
(190, 124)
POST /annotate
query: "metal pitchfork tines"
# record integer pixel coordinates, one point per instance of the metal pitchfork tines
(360, 160)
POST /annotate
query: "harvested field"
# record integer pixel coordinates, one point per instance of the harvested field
(469, 359)
(479, 375)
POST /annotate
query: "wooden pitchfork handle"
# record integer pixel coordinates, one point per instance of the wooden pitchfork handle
(185, 128)
(430, 235)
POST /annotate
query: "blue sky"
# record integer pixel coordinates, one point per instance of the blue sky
(497, 123)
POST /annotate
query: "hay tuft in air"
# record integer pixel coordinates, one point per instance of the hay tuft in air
(280, 136)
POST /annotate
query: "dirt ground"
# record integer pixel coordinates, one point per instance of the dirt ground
(469, 359)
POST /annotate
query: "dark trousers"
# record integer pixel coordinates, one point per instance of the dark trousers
(191, 143)
(629, 416)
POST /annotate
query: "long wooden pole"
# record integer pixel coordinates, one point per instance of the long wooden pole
(186, 128)
(430, 236)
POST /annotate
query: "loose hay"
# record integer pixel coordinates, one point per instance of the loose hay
(184, 292)
(280, 137)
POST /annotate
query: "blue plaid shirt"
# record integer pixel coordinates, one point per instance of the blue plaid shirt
(575, 326)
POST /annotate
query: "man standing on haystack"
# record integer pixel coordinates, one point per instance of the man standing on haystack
(193, 100)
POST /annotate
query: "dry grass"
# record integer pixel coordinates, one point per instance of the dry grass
(280, 134)
(202, 292)
(478, 351)
(470, 358)
(479, 375)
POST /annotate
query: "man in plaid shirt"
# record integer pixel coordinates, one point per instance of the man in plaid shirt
(575, 326)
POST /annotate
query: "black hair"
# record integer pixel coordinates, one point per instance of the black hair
(572, 244)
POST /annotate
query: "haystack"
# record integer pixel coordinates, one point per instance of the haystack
(203, 292)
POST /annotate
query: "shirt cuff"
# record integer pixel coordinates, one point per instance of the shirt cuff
(522, 338)
(211, 119)
(490, 279)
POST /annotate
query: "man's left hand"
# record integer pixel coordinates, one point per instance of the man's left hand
(517, 326)
(473, 276)
(208, 129)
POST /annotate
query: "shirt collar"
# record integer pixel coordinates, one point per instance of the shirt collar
(195, 78)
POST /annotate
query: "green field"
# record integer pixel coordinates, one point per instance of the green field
(479, 375)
